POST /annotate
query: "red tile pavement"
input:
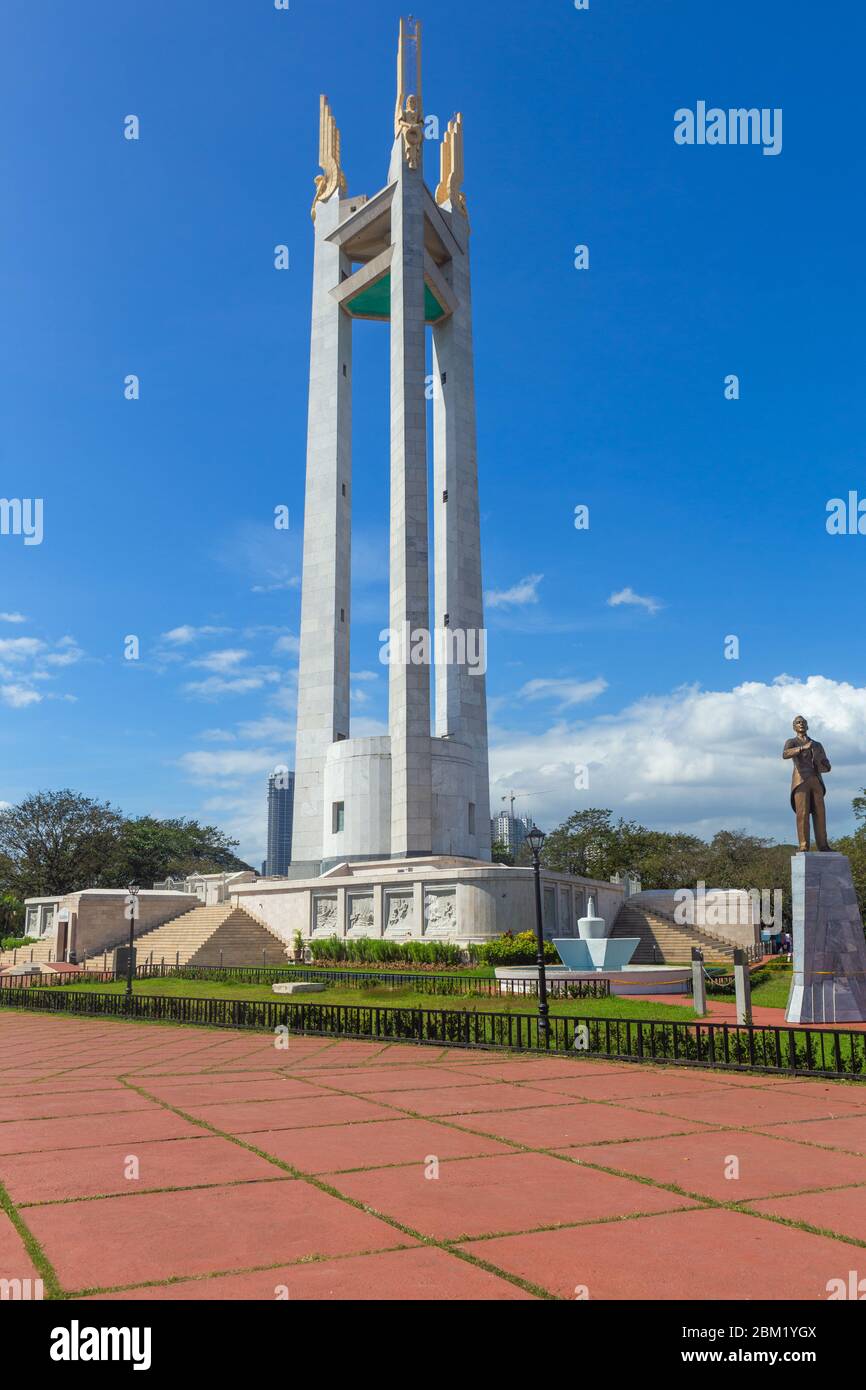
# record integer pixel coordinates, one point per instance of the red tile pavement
(701, 1163)
(317, 1108)
(235, 1223)
(727, 1106)
(340, 1148)
(514, 1193)
(843, 1212)
(848, 1132)
(15, 1263)
(129, 1240)
(688, 1256)
(418, 1274)
(27, 1136)
(63, 1174)
(461, 1099)
(95, 1101)
(581, 1122)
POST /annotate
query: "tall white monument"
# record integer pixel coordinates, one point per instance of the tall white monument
(400, 257)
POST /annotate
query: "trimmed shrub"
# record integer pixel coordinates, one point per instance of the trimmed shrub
(516, 950)
(372, 951)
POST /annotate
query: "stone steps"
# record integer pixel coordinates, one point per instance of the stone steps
(665, 942)
(223, 935)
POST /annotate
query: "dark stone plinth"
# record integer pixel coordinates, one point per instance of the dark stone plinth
(829, 947)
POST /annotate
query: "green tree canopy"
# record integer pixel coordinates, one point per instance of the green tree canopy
(57, 842)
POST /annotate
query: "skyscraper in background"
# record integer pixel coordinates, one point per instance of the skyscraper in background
(281, 806)
(510, 831)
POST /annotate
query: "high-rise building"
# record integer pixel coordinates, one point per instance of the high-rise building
(510, 831)
(281, 803)
(400, 257)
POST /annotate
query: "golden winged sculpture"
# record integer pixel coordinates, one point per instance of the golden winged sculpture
(450, 188)
(409, 114)
(333, 179)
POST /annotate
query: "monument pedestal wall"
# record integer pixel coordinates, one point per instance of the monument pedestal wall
(829, 983)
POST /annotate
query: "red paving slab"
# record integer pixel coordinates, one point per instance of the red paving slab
(583, 1122)
(130, 1240)
(27, 1136)
(636, 1081)
(699, 1164)
(514, 1193)
(421, 1274)
(63, 1174)
(366, 1080)
(460, 1099)
(216, 1090)
(317, 1108)
(15, 1263)
(340, 1148)
(95, 1101)
(846, 1133)
(842, 1212)
(696, 1255)
(729, 1106)
(323, 1105)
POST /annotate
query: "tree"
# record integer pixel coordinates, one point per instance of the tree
(11, 915)
(502, 854)
(57, 842)
(150, 850)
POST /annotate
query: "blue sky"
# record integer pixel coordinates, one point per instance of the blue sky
(602, 387)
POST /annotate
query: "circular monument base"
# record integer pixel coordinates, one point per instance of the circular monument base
(632, 979)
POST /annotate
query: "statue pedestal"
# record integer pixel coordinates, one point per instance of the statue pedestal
(829, 947)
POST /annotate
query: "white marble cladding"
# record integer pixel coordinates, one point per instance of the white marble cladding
(400, 914)
(440, 912)
(326, 916)
(489, 899)
(361, 915)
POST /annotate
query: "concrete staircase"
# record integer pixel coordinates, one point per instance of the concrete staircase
(664, 942)
(41, 952)
(220, 935)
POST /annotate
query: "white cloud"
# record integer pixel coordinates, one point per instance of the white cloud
(693, 760)
(205, 766)
(20, 649)
(215, 686)
(365, 676)
(629, 598)
(288, 645)
(12, 618)
(279, 586)
(222, 661)
(182, 636)
(564, 692)
(19, 696)
(526, 591)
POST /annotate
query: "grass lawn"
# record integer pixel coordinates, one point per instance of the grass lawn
(771, 993)
(403, 997)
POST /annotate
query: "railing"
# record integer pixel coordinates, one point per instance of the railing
(838, 1052)
(352, 979)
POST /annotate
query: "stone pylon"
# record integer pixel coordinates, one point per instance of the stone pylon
(400, 257)
(829, 984)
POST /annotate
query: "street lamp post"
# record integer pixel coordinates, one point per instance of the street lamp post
(132, 913)
(535, 840)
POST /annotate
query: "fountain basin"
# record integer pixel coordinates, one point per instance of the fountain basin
(597, 954)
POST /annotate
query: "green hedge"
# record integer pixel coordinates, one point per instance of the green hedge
(516, 950)
(368, 951)
(14, 943)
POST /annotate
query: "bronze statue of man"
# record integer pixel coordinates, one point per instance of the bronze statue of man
(807, 784)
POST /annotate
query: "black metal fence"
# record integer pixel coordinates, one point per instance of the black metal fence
(838, 1052)
(456, 985)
